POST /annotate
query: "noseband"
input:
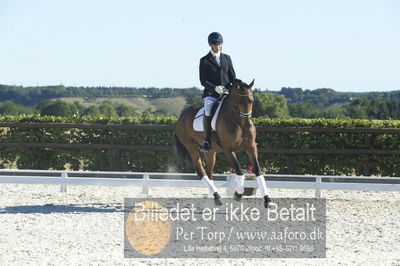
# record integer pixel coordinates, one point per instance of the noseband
(244, 114)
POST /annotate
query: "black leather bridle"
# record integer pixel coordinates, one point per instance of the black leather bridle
(241, 113)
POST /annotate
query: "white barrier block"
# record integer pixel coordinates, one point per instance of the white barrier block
(145, 189)
(63, 187)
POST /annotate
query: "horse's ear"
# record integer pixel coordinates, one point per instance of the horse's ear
(251, 84)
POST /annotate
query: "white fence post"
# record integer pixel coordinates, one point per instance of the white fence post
(317, 190)
(145, 189)
(63, 187)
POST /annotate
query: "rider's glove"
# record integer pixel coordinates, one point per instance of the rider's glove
(220, 89)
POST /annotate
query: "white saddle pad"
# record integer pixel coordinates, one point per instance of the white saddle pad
(198, 119)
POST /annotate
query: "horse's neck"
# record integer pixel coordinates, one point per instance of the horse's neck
(230, 114)
(233, 118)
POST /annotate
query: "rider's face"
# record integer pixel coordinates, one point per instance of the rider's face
(216, 47)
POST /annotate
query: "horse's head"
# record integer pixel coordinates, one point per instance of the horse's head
(242, 97)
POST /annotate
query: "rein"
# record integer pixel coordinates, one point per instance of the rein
(241, 94)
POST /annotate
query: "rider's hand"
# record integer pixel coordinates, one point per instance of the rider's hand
(220, 89)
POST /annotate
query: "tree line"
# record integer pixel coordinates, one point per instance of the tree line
(288, 102)
(66, 109)
(30, 96)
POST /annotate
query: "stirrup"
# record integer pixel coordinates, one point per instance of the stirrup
(205, 147)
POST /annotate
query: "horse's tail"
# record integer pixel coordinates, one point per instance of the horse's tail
(181, 152)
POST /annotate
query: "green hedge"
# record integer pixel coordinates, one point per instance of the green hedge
(163, 161)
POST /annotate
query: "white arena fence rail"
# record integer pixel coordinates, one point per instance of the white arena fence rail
(147, 180)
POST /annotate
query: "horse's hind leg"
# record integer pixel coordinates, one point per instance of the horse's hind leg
(210, 163)
(239, 179)
(194, 154)
(212, 189)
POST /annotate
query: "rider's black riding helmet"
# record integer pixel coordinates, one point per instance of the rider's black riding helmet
(215, 38)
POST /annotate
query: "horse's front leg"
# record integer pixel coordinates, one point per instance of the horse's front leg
(239, 179)
(252, 153)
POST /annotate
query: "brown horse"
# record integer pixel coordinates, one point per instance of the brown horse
(235, 132)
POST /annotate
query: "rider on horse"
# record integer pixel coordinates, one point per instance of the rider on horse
(216, 72)
(235, 130)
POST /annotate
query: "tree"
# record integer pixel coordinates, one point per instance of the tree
(127, 110)
(10, 108)
(92, 110)
(107, 109)
(172, 106)
(268, 105)
(43, 104)
(80, 107)
(304, 110)
(377, 108)
(293, 95)
(60, 108)
(193, 97)
(358, 108)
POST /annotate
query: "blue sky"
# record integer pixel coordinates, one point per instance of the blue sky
(345, 45)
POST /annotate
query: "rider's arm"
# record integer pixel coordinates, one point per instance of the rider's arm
(203, 78)
(231, 71)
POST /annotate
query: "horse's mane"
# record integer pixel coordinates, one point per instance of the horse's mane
(242, 84)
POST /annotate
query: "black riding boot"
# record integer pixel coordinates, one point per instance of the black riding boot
(206, 146)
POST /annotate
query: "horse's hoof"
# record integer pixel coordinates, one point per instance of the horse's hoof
(267, 200)
(237, 196)
(217, 199)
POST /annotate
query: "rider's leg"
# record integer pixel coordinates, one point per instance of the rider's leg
(208, 104)
(206, 146)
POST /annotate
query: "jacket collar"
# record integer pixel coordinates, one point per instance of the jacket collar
(214, 54)
(212, 59)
